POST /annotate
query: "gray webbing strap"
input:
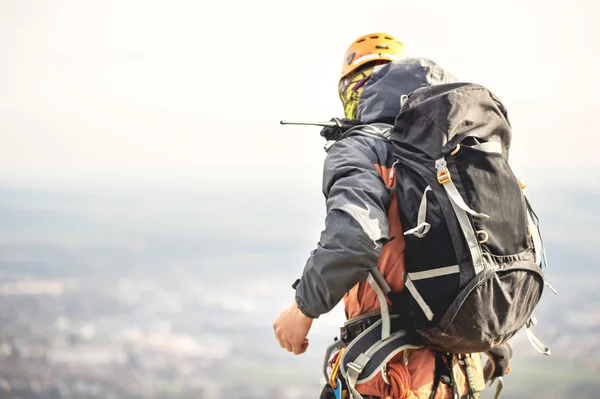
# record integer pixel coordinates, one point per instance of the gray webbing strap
(441, 271)
(499, 387)
(533, 340)
(422, 226)
(469, 235)
(540, 259)
(550, 287)
(490, 146)
(353, 371)
(536, 234)
(378, 277)
(385, 312)
(415, 293)
(463, 219)
(538, 242)
(452, 191)
(410, 277)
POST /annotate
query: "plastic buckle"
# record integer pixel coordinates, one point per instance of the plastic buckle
(355, 367)
(532, 321)
(444, 175)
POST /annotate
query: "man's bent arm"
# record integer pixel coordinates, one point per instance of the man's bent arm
(356, 226)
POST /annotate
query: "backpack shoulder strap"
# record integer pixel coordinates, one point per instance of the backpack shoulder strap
(381, 131)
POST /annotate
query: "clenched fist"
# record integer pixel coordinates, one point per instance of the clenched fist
(291, 329)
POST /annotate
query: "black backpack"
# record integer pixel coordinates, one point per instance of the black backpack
(474, 252)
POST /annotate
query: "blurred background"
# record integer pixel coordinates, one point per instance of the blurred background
(154, 214)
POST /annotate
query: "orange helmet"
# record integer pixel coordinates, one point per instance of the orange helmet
(372, 47)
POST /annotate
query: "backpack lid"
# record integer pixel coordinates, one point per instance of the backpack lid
(435, 119)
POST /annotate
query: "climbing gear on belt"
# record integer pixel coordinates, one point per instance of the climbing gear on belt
(333, 380)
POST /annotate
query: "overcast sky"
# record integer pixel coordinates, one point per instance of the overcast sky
(137, 92)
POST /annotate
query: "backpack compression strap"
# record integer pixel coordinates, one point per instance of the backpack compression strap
(540, 259)
(461, 209)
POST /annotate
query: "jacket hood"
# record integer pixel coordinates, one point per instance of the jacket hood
(380, 99)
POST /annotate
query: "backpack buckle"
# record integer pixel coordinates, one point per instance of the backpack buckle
(443, 176)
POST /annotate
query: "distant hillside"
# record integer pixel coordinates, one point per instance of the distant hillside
(232, 259)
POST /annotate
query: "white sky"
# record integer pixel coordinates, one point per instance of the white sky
(135, 92)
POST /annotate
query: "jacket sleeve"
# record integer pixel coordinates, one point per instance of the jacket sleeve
(356, 226)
